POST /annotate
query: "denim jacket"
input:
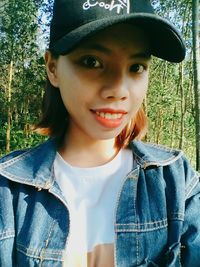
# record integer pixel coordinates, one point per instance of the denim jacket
(157, 216)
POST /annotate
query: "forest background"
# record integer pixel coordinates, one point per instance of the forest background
(24, 28)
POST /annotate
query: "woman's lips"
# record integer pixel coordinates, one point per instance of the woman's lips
(109, 118)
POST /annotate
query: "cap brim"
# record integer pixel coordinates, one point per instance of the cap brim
(166, 41)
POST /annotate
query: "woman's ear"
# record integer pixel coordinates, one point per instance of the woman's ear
(51, 68)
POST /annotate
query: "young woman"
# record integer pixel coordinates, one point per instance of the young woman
(93, 195)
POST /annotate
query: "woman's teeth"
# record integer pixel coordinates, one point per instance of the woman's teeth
(109, 115)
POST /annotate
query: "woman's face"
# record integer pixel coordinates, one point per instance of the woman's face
(103, 81)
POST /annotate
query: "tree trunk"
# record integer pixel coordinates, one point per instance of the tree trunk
(9, 113)
(173, 127)
(182, 126)
(196, 66)
(159, 128)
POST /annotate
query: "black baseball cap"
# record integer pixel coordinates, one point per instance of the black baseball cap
(75, 20)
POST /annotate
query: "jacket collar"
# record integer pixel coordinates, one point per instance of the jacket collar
(147, 154)
(35, 166)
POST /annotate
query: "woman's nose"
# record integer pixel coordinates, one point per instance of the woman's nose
(116, 87)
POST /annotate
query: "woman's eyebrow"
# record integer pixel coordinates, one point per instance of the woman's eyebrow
(97, 47)
(144, 55)
(106, 50)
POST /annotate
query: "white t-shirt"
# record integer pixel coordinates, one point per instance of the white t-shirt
(91, 195)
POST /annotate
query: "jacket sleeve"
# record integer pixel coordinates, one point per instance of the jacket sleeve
(7, 232)
(190, 240)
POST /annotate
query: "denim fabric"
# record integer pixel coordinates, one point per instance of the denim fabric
(157, 216)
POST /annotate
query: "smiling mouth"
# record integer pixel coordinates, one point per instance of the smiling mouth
(109, 118)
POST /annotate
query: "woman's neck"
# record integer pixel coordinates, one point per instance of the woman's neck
(87, 153)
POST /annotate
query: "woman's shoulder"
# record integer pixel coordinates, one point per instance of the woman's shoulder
(13, 154)
(32, 166)
(154, 154)
(177, 165)
(28, 152)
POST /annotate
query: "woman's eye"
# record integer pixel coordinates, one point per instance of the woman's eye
(91, 62)
(137, 68)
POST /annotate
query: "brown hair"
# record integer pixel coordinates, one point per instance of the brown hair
(55, 118)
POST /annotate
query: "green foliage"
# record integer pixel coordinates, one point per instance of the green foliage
(19, 27)
(170, 101)
(170, 107)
